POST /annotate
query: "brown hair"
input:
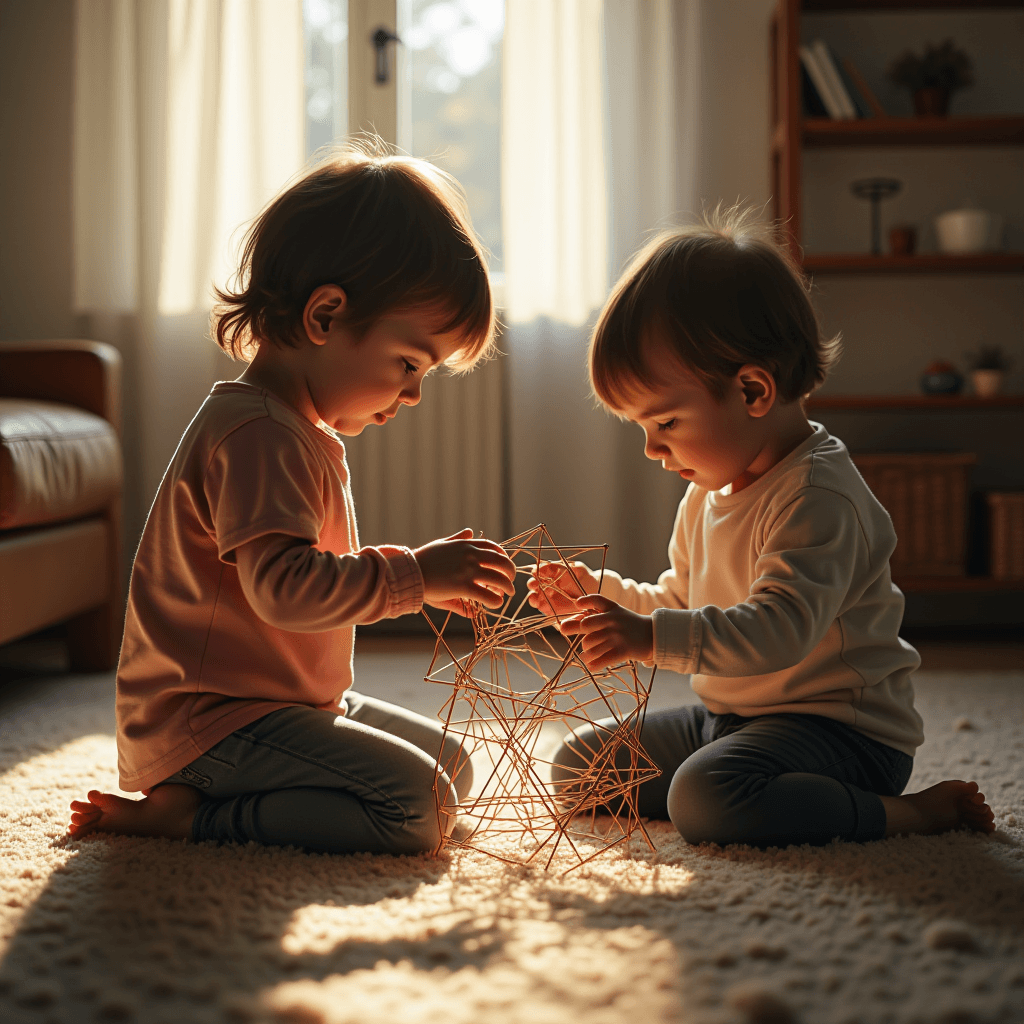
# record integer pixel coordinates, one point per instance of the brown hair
(719, 294)
(392, 231)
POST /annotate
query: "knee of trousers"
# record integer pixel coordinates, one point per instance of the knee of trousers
(429, 822)
(697, 807)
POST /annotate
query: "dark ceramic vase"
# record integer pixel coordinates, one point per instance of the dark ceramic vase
(931, 102)
(941, 381)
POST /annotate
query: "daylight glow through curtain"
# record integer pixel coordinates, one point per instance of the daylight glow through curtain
(188, 119)
(554, 180)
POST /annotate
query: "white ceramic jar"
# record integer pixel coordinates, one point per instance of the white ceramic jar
(964, 230)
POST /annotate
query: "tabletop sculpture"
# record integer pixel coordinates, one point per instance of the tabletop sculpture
(511, 696)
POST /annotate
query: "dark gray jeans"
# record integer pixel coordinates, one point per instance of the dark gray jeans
(773, 780)
(358, 783)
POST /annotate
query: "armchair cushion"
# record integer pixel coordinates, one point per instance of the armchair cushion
(57, 462)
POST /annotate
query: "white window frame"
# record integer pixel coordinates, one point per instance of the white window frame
(372, 107)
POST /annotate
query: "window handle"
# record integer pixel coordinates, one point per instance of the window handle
(380, 40)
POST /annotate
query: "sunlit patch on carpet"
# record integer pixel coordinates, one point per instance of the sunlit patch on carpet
(910, 931)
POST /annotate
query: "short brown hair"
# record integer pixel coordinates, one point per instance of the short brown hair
(393, 231)
(720, 294)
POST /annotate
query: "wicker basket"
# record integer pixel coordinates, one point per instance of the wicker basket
(925, 493)
(1006, 511)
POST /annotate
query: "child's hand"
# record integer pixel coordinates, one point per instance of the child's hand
(553, 589)
(611, 634)
(465, 568)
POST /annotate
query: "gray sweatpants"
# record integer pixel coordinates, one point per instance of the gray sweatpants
(773, 780)
(362, 782)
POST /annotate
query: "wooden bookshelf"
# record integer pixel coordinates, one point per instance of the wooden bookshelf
(791, 133)
(913, 403)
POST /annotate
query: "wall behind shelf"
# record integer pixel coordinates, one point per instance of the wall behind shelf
(893, 325)
(994, 39)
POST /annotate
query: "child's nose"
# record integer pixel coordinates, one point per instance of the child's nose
(411, 394)
(654, 450)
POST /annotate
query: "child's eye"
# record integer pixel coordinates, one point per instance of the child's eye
(410, 367)
(667, 425)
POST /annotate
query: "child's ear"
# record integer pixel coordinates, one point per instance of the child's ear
(759, 389)
(324, 308)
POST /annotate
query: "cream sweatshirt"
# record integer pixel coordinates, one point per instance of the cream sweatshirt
(779, 598)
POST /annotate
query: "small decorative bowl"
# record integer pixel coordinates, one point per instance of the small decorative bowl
(941, 378)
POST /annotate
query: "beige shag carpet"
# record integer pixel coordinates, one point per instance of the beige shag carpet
(117, 929)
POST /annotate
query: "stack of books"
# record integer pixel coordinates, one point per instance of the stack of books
(834, 89)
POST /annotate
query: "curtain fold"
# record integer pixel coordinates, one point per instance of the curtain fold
(188, 119)
(572, 465)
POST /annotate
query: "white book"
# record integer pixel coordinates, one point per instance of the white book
(823, 55)
(832, 105)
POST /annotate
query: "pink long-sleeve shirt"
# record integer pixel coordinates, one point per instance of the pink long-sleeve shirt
(211, 642)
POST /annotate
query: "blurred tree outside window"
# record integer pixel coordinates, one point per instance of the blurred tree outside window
(325, 24)
(453, 50)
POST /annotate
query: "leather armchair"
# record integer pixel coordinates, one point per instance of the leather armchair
(60, 495)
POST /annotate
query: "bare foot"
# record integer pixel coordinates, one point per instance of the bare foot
(940, 808)
(165, 811)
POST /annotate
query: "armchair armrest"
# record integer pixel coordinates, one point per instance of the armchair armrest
(86, 374)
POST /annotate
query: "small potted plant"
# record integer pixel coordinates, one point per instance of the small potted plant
(988, 367)
(932, 78)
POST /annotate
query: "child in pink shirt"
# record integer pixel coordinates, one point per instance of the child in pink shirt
(235, 716)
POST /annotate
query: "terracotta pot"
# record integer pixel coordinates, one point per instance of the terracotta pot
(987, 383)
(931, 102)
(903, 240)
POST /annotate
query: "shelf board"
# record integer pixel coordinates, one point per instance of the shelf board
(927, 263)
(852, 6)
(1005, 130)
(916, 403)
(954, 584)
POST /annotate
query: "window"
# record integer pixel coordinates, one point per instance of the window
(325, 24)
(453, 99)
(447, 95)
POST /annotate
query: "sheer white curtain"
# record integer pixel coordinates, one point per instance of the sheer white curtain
(188, 118)
(599, 148)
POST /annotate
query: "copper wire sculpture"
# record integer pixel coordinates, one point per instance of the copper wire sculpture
(519, 814)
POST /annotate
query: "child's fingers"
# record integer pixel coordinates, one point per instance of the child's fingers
(493, 580)
(596, 603)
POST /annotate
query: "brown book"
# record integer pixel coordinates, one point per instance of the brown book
(865, 90)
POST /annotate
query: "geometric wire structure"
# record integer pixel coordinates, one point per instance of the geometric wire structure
(520, 682)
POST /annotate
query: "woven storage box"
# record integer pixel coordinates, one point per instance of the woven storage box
(1006, 512)
(926, 495)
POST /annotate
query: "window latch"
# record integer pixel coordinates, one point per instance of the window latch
(380, 40)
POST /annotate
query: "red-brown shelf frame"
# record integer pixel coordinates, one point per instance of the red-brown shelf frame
(954, 584)
(915, 131)
(907, 5)
(912, 403)
(925, 263)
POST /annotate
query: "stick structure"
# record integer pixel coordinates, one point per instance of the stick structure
(511, 699)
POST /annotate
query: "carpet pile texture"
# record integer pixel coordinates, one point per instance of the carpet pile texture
(911, 930)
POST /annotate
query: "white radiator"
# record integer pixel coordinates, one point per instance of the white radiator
(436, 467)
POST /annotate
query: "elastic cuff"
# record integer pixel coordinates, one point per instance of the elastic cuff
(677, 639)
(404, 580)
(870, 816)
